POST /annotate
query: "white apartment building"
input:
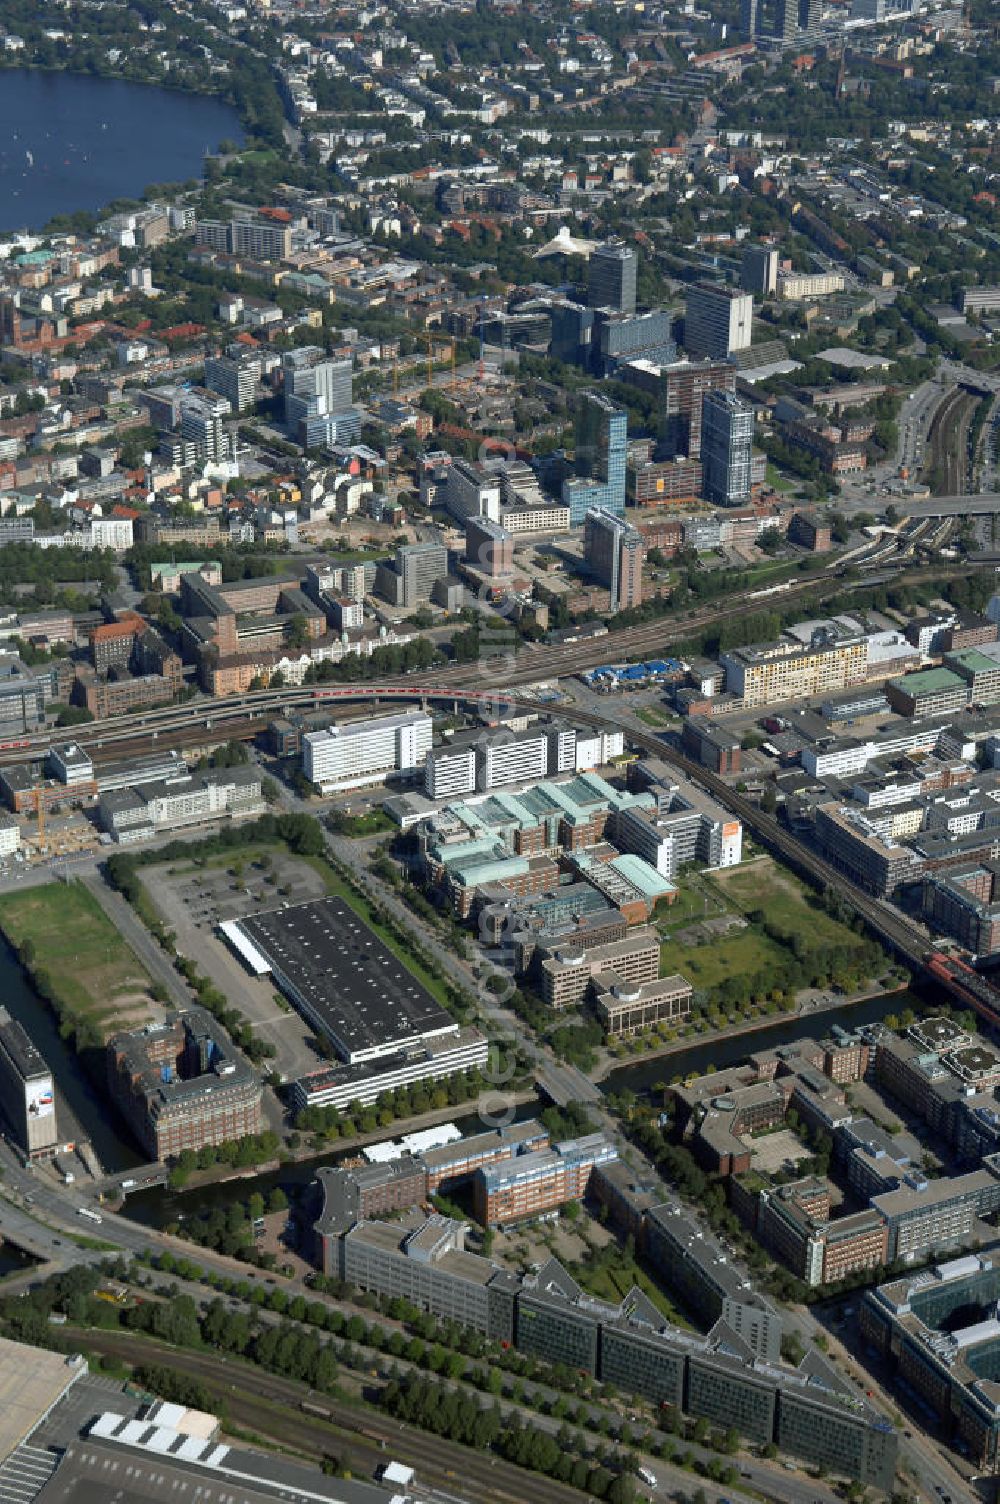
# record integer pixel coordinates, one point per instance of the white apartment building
(363, 752)
(596, 748)
(767, 673)
(520, 759)
(111, 532)
(449, 774)
(471, 491)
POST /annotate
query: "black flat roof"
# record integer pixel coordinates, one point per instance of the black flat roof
(340, 969)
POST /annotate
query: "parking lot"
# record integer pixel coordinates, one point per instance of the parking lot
(193, 900)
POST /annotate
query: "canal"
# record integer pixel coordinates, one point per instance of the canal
(696, 1059)
(80, 1109)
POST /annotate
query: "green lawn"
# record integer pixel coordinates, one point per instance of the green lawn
(785, 901)
(722, 957)
(95, 977)
(760, 885)
(654, 717)
(611, 1282)
(696, 900)
(777, 480)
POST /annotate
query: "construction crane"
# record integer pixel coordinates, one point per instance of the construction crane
(434, 342)
(40, 809)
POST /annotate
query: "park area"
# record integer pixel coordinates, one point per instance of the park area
(754, 932)
(78, 961)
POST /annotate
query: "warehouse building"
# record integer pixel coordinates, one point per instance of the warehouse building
(182, 1085)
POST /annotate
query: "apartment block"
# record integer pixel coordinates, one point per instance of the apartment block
(354, 753)
(769, 673)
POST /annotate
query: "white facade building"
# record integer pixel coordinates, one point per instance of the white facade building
(363, 752)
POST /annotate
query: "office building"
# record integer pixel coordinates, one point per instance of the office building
(489, 548)
(613, 552)
(717, 320)
(611, 277)
(138, 813)
(27, 1092)
(620, 337)
(183, 1084)
(734, 1376)
(427, 1265)
(938, 1332)
(533, 1184)
(483, 760)
(433, 1058)
(726, 448)
(601, 449)
(353, 1193)
(964, 902)
(572, 334)
(929, 692)
(317, 396)
(759, 272)
(409, 579)
(24, 693)
(567, 975)
(351, 754)
(712, 746)
(851, 841)
(685, 825)
(780, 24)
(694, 1263)
(680, 388)
(235, 377)
(626, 1009)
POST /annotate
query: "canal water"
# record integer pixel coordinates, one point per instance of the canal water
(76, 1097)
(696, 1059)
(160, 1207)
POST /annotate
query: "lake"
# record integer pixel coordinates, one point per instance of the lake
(69, 141)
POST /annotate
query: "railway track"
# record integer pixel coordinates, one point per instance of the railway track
(271, 1407)
(947, 466)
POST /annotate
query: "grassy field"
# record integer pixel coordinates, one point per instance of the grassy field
(612, 1282)
(655, 717)
(785, 901)
(721, 957)
(65, 936)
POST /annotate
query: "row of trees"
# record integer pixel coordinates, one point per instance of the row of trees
(241, 1153)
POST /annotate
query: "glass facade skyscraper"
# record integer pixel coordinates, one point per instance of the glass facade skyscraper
(601, 442)
(726, 447)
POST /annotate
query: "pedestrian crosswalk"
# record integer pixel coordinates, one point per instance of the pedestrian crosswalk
(24, 1473)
